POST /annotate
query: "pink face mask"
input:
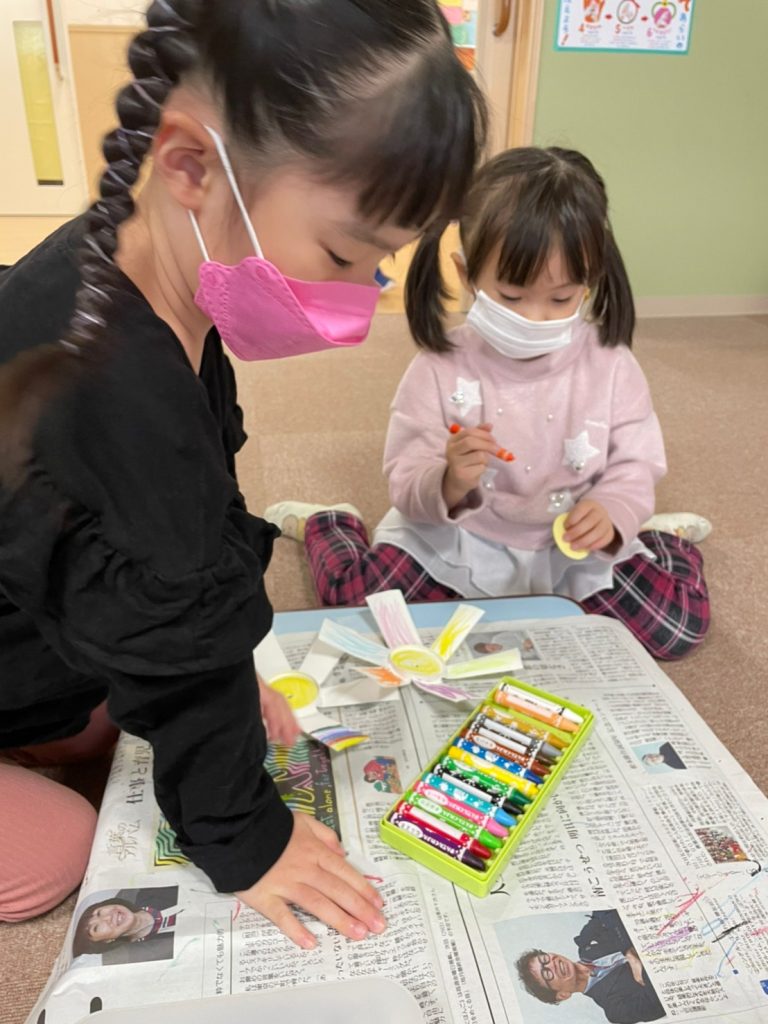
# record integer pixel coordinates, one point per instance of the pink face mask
(262, 314)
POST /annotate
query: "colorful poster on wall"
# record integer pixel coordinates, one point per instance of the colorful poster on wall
(461, 15)
(639, 26)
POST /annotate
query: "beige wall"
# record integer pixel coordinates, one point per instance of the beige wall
(98, 63)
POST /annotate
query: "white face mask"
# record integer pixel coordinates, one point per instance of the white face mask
(515, 336)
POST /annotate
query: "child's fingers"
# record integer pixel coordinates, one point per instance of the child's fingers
(587, 541)
(285, 729)
(599, 536)
(575, 531)
(476, 443)
(578, 514)
(457, 429)
(326, 835)
(280, 914)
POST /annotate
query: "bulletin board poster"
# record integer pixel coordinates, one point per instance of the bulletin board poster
(634, 26)
(461, 15)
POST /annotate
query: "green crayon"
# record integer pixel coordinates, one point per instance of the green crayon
(482, 835)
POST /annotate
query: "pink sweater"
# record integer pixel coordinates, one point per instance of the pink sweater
(580, 423)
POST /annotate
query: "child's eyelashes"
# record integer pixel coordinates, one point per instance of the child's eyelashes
(558, 301)
(339, 260)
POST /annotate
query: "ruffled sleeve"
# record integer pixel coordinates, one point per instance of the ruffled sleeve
(130, 548)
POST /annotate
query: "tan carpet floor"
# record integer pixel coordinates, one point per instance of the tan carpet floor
(316, 430)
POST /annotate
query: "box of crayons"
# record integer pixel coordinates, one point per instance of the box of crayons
(467, 812)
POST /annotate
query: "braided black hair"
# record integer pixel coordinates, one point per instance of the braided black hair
(368, 92)
(157, 57)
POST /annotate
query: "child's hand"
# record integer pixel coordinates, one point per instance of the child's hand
(314, 875)
(467, 454)
(588, 527)
(277, 716)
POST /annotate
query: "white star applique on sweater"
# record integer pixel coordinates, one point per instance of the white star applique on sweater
(466, 397)
(578, 451)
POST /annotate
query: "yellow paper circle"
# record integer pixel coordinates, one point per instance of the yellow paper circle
(299, 690)
(558, 529)
(416, 661)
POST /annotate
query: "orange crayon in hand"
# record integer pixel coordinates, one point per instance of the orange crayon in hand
(501, 453)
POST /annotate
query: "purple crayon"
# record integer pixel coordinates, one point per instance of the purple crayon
(438, 842)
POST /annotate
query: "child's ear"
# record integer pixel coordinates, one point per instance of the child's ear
(184, 154)
(461, 270)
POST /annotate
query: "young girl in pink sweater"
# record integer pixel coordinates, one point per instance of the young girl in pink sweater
(542, 367)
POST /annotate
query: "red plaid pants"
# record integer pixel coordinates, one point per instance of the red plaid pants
(664, 603)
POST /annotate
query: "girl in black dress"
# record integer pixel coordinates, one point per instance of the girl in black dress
(321, 135)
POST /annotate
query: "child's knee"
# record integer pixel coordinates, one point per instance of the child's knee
(48, 833)
(678, 641)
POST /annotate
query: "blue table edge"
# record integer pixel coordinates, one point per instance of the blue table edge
(434, 613)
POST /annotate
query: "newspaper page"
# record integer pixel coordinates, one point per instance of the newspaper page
(640, 893)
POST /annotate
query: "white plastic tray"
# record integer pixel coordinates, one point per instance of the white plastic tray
(368, 1000)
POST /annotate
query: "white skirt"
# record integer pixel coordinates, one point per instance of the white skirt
(475, 567)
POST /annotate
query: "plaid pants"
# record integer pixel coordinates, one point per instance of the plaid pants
(665, 603)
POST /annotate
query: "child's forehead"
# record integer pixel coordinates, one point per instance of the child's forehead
(553, 273)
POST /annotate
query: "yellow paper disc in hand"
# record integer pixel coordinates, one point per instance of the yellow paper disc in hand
(558, 529)
(299, 690)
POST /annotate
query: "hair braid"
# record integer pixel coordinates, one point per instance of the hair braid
(157, 57)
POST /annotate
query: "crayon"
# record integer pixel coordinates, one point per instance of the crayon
(500, 453)
(495, 788)
(460, 821)
(526, 760)
(519, 700)
(495, 760)
(532, 749)
(495, 771)
(515, 725)
(421, 817)
(466, 794)
(510, 685)
(482, 818)
(478, 785)
(437, 842)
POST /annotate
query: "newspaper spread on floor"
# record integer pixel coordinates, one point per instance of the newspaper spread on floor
(649, 865)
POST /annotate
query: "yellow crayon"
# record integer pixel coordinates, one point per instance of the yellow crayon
(505, 777)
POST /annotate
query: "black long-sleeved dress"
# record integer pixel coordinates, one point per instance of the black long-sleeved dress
(130, 568)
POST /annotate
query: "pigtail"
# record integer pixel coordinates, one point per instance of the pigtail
(157, 57)
(613, 306)
(426, 293)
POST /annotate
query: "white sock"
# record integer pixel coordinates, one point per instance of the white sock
(292, 516)
(687, 525)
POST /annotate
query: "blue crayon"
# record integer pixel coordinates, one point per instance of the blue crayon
(499, 761)
(457, 792)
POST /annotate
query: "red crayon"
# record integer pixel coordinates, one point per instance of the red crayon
(415, 814)
(501, 453)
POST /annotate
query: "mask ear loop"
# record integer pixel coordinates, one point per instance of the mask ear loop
(199, 236)
(224, 157)
(226, 164)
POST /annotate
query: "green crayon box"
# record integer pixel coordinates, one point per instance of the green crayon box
(527, 717)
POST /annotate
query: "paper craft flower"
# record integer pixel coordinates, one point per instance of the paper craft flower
(301, 688)
(406, 659)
